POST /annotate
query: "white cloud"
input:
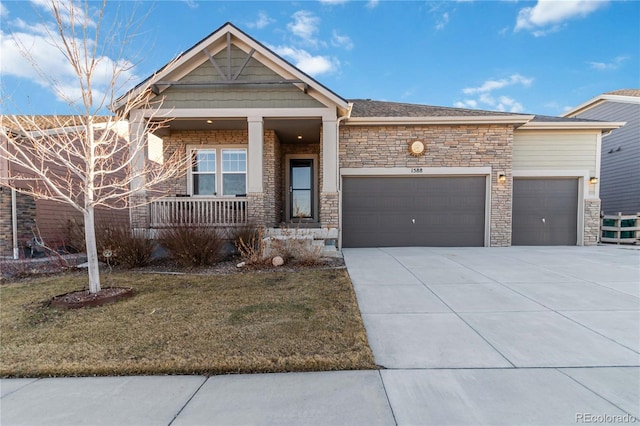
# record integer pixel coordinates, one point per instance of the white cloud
(338, 40)
(313, 65)
(191, 3)
(262, 21)
(4, 12)
(443, 21)
(29, 53)
(609, 66)
(332, 2)
(499, 102)
(304, 25)
(549, 15)
(372, 4)
(490, 85)
(79, 15)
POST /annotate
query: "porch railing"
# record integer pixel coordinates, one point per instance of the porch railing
(219, 211)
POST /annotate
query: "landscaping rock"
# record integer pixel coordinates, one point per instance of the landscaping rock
(277, 261)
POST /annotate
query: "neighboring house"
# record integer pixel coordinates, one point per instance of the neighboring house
(269, 145)
(620, 158)
(22, 217)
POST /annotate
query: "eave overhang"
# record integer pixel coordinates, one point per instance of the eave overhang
(599, 100)
(596, 125)
(385, 121)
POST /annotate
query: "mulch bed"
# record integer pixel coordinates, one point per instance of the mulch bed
(84, 299)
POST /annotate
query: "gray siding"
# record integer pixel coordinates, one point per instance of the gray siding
(231, 96)
(620, 169)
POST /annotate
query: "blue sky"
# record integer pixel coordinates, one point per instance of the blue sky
(539, 57)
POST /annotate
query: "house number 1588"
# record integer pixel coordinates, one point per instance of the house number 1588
(416, 170)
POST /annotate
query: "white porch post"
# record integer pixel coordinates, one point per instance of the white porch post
(255, 171)
(329, 155)
(138, 215)
(255, 166)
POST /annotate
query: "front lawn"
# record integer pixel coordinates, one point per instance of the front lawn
(185, 324)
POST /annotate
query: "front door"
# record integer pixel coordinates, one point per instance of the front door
(301, 205)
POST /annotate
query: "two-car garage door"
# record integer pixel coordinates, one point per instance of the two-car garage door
(413, 211)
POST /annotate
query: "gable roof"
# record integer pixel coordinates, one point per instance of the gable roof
(622, 95)
(264, 55)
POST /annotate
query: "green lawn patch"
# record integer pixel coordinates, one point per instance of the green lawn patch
(185, 324)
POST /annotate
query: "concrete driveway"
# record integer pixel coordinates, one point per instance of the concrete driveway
(503, 335)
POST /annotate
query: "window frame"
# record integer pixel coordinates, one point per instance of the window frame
(223, 172)
(193, 149)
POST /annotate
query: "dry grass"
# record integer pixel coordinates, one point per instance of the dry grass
(186, 324)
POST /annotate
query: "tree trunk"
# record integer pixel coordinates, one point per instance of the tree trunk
(92, 250)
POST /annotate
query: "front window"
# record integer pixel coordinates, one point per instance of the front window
(203, 172)
(234, 171)
(220, 171)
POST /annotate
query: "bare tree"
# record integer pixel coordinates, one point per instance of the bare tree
(85, 160)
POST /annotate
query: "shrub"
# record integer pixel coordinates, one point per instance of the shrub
(191, 245)
(127, 248)
(250, 245)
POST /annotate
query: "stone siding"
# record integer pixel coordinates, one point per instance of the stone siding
(329, 209)
(591, 222)
(446, 146)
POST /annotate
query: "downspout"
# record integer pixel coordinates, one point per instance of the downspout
(14, 223)
(344, 117)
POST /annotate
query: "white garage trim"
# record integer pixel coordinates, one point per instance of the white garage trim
(421, 171)
(583, 189)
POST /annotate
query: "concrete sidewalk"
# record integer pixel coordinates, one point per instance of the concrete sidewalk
(534, 336)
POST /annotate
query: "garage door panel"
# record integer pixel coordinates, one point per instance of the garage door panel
(413, 211)
(545, 211)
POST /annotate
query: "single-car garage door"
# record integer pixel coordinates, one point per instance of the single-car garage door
(413, 211)
(545, 212)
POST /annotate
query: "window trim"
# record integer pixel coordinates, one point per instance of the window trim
(218, 149)
(223, 172)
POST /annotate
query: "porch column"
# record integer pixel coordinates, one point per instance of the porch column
(139, 214)
(255, 171)
(329, 155)
(255, 166)
(329, 192)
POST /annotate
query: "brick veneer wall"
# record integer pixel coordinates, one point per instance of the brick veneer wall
(446, 146)
(26, 209)
(591, 222)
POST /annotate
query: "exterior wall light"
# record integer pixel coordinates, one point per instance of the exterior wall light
(502, 178)
(593, 180)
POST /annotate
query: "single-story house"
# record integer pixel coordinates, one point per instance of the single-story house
(265, 143)
(620, 152)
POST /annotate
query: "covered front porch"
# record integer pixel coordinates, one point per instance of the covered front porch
(264, 171)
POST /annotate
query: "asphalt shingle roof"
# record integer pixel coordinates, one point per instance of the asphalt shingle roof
(625, 92)
(370, 108)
